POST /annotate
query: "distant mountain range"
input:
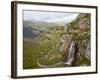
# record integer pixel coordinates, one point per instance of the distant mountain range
(31, 28)
(39, 25)
(29, 32)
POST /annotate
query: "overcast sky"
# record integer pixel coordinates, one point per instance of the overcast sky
(49, 16)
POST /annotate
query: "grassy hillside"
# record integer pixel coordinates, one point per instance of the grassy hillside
(43, 49)
(52, 46)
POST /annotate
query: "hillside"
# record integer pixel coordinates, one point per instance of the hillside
(79, 32)
(56, 45)
(38, 24)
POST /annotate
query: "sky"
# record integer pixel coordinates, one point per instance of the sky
(51, 17)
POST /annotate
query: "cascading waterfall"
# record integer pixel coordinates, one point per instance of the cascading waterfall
(71, 53)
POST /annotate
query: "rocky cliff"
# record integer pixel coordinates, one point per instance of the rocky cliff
(79, 32)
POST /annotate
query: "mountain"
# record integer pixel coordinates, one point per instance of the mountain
(38, 24)
(78, 35)
(28, 32)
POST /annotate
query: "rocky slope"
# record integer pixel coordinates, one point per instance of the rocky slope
(79, 32)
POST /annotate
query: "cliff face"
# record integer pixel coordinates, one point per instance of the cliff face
(79, 32)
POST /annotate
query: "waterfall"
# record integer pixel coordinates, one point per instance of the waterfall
(71, 53)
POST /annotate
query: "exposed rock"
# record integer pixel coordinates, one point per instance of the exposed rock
(88, 51)
(79, 29)
(83, 21)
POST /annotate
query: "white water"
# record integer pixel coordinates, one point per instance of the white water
(71, 53)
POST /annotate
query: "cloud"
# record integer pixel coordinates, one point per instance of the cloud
(49, 16)
(64, 19)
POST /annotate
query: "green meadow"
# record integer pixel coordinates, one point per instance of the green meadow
(42, 50)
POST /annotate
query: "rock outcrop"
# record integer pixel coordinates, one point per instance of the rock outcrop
(79, 31)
